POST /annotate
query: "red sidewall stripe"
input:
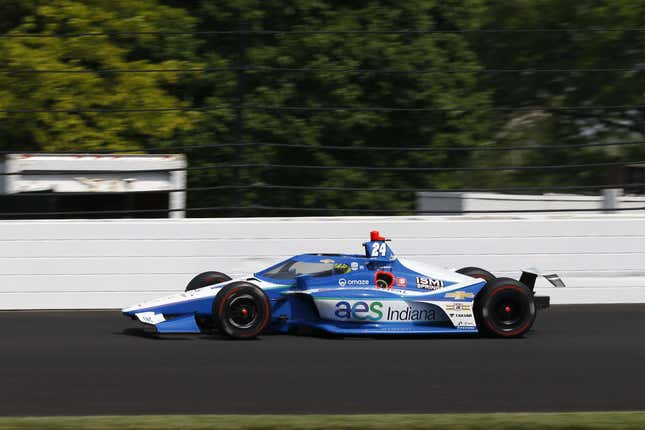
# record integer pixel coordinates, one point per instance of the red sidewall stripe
(267, 312)
(512, 332)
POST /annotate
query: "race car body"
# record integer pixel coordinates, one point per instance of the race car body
(374, 293)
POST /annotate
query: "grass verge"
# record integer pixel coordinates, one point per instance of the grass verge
(498, 421)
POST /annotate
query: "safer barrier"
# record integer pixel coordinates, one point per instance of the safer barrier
(109, 264)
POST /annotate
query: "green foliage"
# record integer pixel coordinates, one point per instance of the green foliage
(89, 87)
(327, 69)
(564, 50)
(327, 57)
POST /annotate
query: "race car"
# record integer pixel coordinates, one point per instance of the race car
(339, 294)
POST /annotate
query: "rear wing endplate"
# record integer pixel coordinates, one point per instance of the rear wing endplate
(529, 276)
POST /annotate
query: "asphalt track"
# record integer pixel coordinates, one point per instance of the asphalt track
(81, 362)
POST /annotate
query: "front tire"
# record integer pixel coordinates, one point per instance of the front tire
(241, 310)
(205, 279)
(504, 308)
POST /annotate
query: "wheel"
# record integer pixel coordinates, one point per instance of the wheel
(241, 310)
(205, 279)
(504, 308)
(476, 272)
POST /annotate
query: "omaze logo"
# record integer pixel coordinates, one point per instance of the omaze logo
(359, 310)
(360, 282)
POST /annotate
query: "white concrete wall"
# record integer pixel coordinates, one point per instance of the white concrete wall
(3, 180)
(474, 201)
(110, 264)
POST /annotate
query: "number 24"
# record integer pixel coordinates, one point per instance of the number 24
(378, 249)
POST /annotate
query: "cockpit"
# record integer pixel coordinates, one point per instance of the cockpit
(293, 268)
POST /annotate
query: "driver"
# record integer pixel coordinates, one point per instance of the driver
(341, 269)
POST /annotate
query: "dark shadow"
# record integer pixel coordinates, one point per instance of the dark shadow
(223, 338)
(150, 334)
(435, 336)
(305, 332)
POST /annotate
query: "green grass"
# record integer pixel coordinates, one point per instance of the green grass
(498, 421)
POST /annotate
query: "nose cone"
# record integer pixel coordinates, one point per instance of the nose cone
(131, 310)
(128, 312)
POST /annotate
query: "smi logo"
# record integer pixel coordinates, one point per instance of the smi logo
(359, 310)
(429, 283)
(345, 282)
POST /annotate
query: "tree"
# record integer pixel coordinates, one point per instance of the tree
(346, 81)
(91, 84)
(311, 66)
(603, 38)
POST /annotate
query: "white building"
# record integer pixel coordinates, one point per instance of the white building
(75, 185)
(458, 202)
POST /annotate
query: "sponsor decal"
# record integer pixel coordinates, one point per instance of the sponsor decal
(355, 282)
(327, 261)
(461, 315)
(401, 282)
(354, 266)
(429, 283)
(359, 310)
(459, 295)
(150, 317)
(411, 314)
(375, 311)
(458, 307)
(465, 324)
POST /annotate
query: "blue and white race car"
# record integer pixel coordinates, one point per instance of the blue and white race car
(370, 294)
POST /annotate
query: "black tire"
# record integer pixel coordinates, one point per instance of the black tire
(504, 308)
(205, 279)
(241, 310)
(476, 272)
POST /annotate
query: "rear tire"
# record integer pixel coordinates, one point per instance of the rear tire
(504, 308)
(241, 310)
(205, 279)
(476, 272)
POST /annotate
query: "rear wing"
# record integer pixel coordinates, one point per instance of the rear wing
(528, 278)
